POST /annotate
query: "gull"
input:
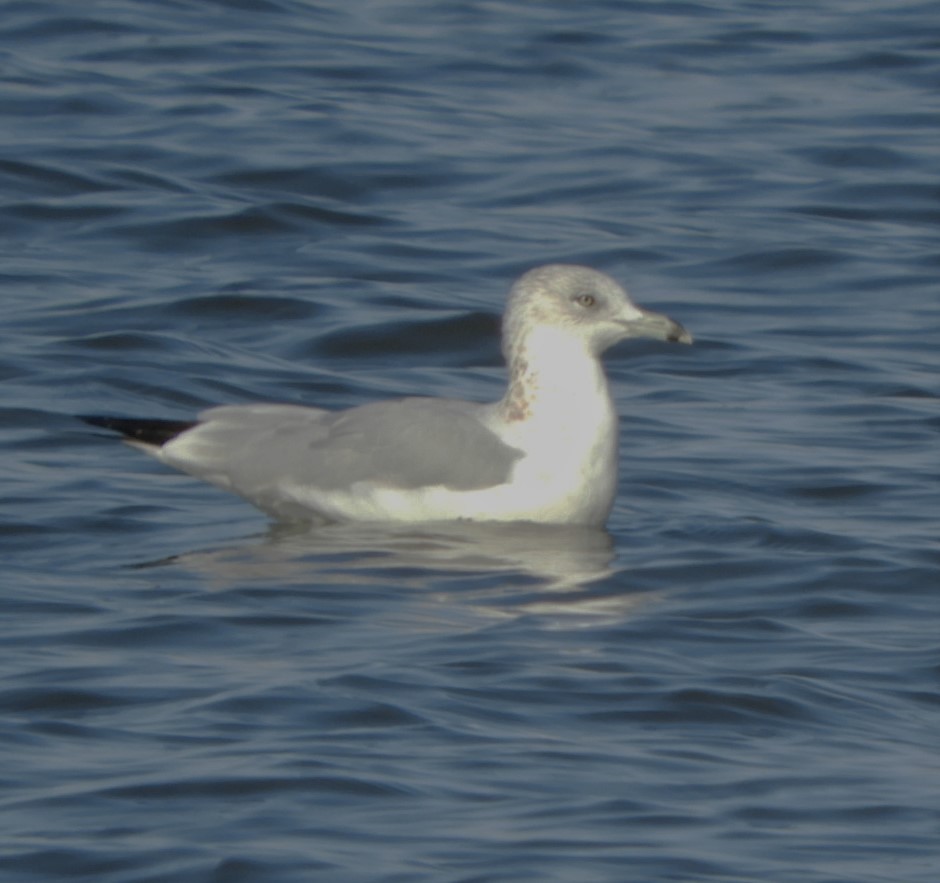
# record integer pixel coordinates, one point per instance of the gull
(546, 452)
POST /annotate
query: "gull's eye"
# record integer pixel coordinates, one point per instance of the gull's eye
(585, 300)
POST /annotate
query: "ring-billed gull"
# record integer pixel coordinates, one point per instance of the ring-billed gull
(545, 452)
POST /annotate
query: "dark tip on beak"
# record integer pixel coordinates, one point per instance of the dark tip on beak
(678, 334)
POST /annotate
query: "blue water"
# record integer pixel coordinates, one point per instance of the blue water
(257, 200)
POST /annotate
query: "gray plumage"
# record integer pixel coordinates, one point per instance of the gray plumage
(383, 442)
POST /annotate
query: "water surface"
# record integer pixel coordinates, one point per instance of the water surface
(221, 202)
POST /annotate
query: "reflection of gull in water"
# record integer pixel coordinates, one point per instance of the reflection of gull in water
(554, 556)
(545, 452)
(495, 570)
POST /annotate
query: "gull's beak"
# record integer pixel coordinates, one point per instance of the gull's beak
(658, 327)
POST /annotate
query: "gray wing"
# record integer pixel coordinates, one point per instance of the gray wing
(408, 443)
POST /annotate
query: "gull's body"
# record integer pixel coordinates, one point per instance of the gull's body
(546, 452)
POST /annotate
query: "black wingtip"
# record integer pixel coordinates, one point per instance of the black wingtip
(149, 432)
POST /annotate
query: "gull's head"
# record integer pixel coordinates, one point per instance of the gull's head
(584, 305)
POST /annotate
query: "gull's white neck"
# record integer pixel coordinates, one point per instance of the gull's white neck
(555, 381)
(557, 411)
